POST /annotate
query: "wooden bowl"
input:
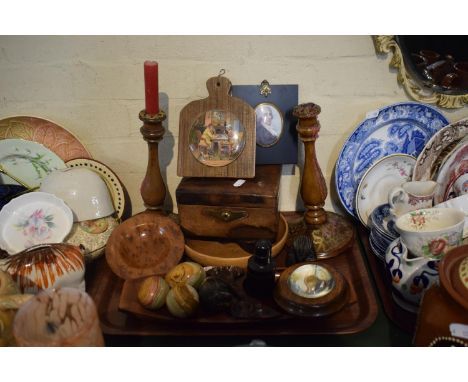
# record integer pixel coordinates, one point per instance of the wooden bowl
(148, 243)
(208, 252)
(453, 274)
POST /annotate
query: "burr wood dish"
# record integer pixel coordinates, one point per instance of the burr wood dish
(149, 243)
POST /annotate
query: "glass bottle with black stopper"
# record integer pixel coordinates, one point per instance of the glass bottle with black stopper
(260, 279)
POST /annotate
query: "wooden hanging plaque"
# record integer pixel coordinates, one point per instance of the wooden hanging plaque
(217, 135)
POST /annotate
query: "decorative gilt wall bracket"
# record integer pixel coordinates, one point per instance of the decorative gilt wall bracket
(387, 44)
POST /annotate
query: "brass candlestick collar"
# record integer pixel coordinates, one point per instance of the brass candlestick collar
(152, 118)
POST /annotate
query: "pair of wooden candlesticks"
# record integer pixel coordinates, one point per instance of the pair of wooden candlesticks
(331, 234)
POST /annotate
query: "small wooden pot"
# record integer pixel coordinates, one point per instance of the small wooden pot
(323, 304)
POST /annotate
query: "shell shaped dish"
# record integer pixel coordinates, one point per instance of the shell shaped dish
(46, 266)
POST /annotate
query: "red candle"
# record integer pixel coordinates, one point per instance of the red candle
(151, 87)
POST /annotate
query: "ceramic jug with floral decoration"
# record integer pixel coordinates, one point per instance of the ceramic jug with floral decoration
(410, 276)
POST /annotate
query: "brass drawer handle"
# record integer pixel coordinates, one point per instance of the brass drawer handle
(227, 215)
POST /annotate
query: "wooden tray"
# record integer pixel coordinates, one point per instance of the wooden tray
(402, 318)
(358, 314)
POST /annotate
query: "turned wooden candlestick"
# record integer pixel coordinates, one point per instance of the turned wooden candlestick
(313, 186)
(153, 189)
(331, 233)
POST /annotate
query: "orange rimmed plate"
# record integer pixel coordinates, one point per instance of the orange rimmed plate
(48, 133)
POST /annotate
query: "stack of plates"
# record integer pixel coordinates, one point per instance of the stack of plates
(400, 130)
(444, 159)
(383, 231)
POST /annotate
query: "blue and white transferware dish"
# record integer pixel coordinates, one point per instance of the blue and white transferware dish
(32, 219)
(28, 161)
(378, 249)
(385, 174)
(383, 222)
(399, 128)
(410, 276)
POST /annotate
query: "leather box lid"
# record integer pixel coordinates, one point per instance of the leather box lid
(261, 191)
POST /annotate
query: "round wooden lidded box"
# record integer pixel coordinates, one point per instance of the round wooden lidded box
(311, 290)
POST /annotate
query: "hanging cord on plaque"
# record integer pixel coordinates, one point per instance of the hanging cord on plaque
(221, 73)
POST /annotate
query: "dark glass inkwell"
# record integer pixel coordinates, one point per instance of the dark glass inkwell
(260, 279)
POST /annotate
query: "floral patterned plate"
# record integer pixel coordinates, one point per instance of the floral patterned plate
(378, 180)
(402, 128)
(40, 130)
(28, 161)
(437, 147)
(454, 167)
(32, 219)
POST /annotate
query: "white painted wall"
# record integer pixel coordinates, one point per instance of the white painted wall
(93, 86)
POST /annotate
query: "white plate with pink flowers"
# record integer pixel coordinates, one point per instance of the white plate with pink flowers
(378, 180)
(32, 219)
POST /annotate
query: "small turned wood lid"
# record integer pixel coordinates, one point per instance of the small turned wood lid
(453, 274)
(306, 110)
(295, 301)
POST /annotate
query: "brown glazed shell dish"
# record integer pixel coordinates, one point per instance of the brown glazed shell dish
(148, 243)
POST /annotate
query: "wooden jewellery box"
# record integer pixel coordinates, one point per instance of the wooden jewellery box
(214, 207)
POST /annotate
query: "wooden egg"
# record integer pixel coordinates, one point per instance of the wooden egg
(152, 292)
(186, 273)
(182, 300)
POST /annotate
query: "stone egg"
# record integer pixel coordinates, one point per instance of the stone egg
(152, 292)
(182, 300)
(186, 273)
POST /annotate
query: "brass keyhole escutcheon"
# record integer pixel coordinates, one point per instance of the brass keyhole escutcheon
(226, 215)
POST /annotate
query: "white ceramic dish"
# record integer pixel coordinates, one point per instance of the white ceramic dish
(378, 180)
(28, 161)
(435, 147)
(113, 182)
(32, 219)
(431, 232)
(461, 204)
(84, 191)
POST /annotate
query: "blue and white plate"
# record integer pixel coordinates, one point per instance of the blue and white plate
(399, 128)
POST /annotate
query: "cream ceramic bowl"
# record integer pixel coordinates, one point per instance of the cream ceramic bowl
(83, 190)
(460, 203)
(431, 232)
